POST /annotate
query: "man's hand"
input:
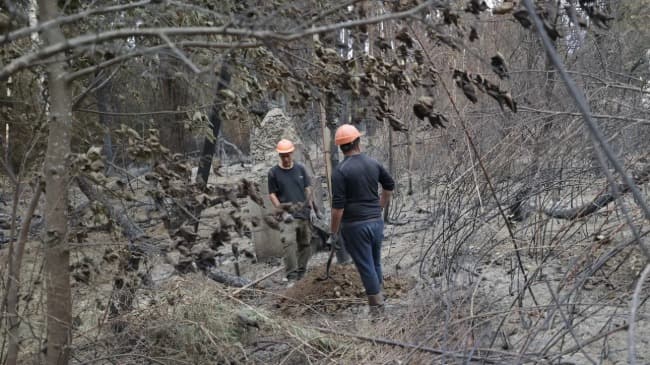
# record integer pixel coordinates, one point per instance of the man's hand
(313, 217)
(287, 218)
(285, 206)
(334, 241)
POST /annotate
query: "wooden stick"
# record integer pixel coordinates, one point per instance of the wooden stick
(256, 281)
(327, 153)
(408, 345)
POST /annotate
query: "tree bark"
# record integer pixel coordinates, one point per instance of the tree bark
(209, 144)
(57, 252)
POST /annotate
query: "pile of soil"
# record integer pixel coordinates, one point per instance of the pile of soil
(342, 290)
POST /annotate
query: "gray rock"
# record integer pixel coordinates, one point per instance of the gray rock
(173, 258)
(161, 272)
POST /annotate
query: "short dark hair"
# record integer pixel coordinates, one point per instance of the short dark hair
(350, 146)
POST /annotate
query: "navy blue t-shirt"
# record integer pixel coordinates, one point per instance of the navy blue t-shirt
(289, 185)
(355, 187)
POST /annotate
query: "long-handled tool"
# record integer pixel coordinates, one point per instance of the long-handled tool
(327, 267)
(329, 263)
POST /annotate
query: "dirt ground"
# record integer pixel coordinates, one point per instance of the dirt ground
(342, 290)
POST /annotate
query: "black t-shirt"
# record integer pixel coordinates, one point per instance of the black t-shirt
(289, 185)
(355, 187)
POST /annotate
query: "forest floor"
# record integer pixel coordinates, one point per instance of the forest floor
(470, 311)
(475, 310)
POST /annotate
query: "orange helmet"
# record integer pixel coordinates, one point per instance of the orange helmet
(285, 146)
(345, 134)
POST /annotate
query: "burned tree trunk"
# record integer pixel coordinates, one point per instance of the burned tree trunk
(209, 144)
(174, 94)
(581, 211)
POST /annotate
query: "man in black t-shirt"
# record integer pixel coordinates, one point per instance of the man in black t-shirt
(289, 184)
(356, 210)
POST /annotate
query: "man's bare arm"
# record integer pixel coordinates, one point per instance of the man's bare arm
(337, 215)
(274, 200)
(310, 198)
(385, 198)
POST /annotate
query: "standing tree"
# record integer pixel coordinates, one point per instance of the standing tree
(57, 179)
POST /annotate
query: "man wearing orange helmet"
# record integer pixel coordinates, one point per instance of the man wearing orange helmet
(289, 184)
(356, 210)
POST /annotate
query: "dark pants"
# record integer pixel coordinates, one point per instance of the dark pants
(363, 242)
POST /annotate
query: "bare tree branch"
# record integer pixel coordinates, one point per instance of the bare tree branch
(17, 251)
(23, 32)
(180, 54)
(130, 230)
(608, 83)
(634, 305)
(91, 88)
(573, 114)
(382, 341)
(567, 323)
(26, 60)
(198, 44)
(592, 127)
(479, 159)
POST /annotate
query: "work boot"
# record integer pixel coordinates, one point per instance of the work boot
(376, 304)
(300, 274)
(291, 279)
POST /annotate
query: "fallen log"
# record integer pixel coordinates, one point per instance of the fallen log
(581, 211)
(598, 202)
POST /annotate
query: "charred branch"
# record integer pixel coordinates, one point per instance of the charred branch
(130, 230)
(597, 203)
(225, 278)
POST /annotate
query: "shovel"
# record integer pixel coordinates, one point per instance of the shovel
(329, 264)
(327, 267)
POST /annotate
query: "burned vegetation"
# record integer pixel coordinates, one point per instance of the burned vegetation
(135, 221)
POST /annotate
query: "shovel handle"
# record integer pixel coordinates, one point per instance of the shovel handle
(329, 264)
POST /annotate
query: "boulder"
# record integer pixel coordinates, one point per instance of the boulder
(274, 127)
